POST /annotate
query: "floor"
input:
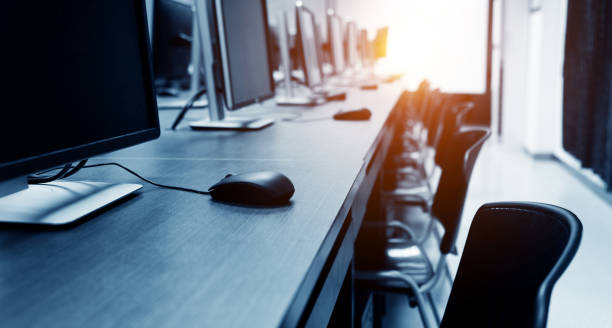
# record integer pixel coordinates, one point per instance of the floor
(583, 295)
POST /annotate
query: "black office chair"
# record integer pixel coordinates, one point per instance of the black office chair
(412, 185)
(514, 254)
(404, 266)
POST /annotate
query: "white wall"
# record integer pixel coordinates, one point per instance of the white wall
(515, 15)
(533, 75)
(545, 77)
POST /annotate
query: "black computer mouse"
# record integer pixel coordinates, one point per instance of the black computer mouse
(353, 115)
(256, 188)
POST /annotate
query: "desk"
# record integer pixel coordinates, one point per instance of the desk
(165, 258)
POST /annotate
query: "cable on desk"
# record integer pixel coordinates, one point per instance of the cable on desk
(75, 169)
(187, 107)
(201, 192)
(68, 170)
(37, 179)
(65, 171)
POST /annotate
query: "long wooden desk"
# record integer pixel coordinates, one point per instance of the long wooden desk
(166, 258)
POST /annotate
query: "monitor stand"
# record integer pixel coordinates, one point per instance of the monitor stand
(232, 123)
(56, 203)
(292, 100)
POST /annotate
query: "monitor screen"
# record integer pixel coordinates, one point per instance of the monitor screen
(336, 40)
(243, 37)
(172, 29)
(351, 44)
(308, 45)
(363, 45)
(77, 82)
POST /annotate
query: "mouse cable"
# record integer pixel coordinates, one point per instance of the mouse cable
(201, 192)
(187, 107)
(68, 170)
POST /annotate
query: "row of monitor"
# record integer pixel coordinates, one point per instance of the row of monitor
(235, 42)
(81, 83)
(346, 47)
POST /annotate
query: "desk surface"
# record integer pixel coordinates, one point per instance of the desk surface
(166, 258)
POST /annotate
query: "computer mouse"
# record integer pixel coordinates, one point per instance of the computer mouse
(353, 115)
(255, 188)
(369, 86)
(336, 96)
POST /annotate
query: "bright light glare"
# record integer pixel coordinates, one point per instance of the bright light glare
(444, 41)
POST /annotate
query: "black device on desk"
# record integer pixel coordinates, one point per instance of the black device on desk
(79, 88)
(257, 188)
(362, 114)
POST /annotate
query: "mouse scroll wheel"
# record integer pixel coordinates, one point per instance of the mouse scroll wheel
(228, 175)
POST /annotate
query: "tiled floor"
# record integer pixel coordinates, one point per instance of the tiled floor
(583, 295)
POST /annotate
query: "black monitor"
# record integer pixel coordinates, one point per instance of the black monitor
(79, 86)
(172, 29)
(307, 45)
(243, 41)
(235, 44)
(335, 38)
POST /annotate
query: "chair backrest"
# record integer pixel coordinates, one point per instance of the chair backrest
(451, 119)
(437, 120)
(402, 101)
(514, 254)
(457, 167)
(420, 101)
(433, 106)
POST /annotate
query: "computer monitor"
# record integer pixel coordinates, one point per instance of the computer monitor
(235, 45)
(335, 38)
(352, 54)
(79, 86)
(172, 37)
(365, 49)
(307, 45)
(319, 46)
(289, 97)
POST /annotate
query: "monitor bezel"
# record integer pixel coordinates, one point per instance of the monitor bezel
(352, 51)
(227, 83)
(298, 8)
(330, 17)
(29, 165)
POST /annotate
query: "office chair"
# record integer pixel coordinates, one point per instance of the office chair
(415, 111)
(417, 146)
(514, 254)
(411, 183)
(403, 266)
